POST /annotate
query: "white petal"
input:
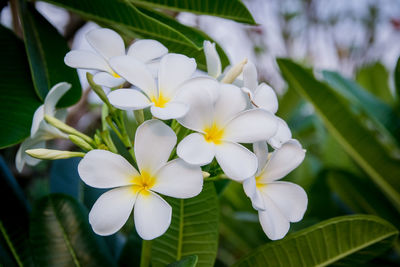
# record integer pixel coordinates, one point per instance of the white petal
(53, 96)
(111, 210)
(22, 158)
(230, 102)
(154, 142)
(174, 70)
(212, 59)
(265, 98)
(283, 161)
(81, 59)
(250, 76)
(104, 169)
(106, 42)
(152, 215)
(282, 135)
(128, 99)
(251, 126)
(37, 121)
(237, 162)
(61, 114)
(147, 50)
(195, 150)
(136, 73)
(261, 151)
(172, 110)
(198, 93)
(290, 198)
(273, 222)
(179, 179)
(250, 188)
(106, 79)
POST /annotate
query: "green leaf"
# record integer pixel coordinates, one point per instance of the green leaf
(64, 177)
(46, 49)
(384, 117)
(188, 261)
(127, 19)
(61, 235)
(193, 230)
(361, 196)
(17, 95)
(14, 218)
(375, 78)
(397, 79)
(229, 9)
(350, 240)
(193, 34)
(359, 142)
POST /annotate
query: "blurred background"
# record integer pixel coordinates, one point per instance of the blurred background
(360, 39)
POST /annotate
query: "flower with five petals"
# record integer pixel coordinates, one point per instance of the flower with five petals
(221, 122)
(107, 44)
(161, 97)
(132, 189)
(278, 203)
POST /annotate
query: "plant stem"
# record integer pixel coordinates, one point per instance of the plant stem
(146, 253)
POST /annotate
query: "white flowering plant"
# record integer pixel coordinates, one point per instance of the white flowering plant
(190, 161)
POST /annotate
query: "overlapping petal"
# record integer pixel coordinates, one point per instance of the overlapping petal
(264, 97)
(147, 50)
(171, 110)
(21, 158)
(250, 76)
(104, 169)
(250, 188)
(230, 102)
(54, 95)
(251, 126)
(111, 210)
(195, 150)
(106, 79)
(174, 70)
(154, 142)
(152, 215)
(81, 59)
(128, 99)
(136, 73)
(237, 162)
(282, 161)
(282, 135)
(106, 42)
(179, 179)
(273, 222)
(261, 151)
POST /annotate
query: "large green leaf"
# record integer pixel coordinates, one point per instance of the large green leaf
(127, 19)
(193, 34)
(46, 49)
(14, 219)
(347, 240)
(187, 261)
(17, 95)
(61, 235)
(375, 78)
(193, 230)
(385, 117)
(357, 140)
(229, 9)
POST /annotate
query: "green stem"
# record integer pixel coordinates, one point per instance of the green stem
(146, 253)
(139, 116)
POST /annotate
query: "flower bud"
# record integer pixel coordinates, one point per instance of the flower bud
(234, 72)
(42, 153)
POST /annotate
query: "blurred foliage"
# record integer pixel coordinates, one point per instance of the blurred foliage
(350, 128)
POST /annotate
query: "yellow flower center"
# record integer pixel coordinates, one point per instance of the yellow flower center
(160, 101)
(214, 134)
(115, 75)
(259, 185)
(143, 183)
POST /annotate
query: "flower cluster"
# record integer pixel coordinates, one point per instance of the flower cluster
(219, 112)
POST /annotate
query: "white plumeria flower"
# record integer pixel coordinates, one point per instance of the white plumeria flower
(174, 70)
(154, 142)
(221, 123)
(263, 96)
(107, 43)
(278, 203)
(41, 130)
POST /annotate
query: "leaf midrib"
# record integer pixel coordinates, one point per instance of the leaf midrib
(65, 236)
(10, 245)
